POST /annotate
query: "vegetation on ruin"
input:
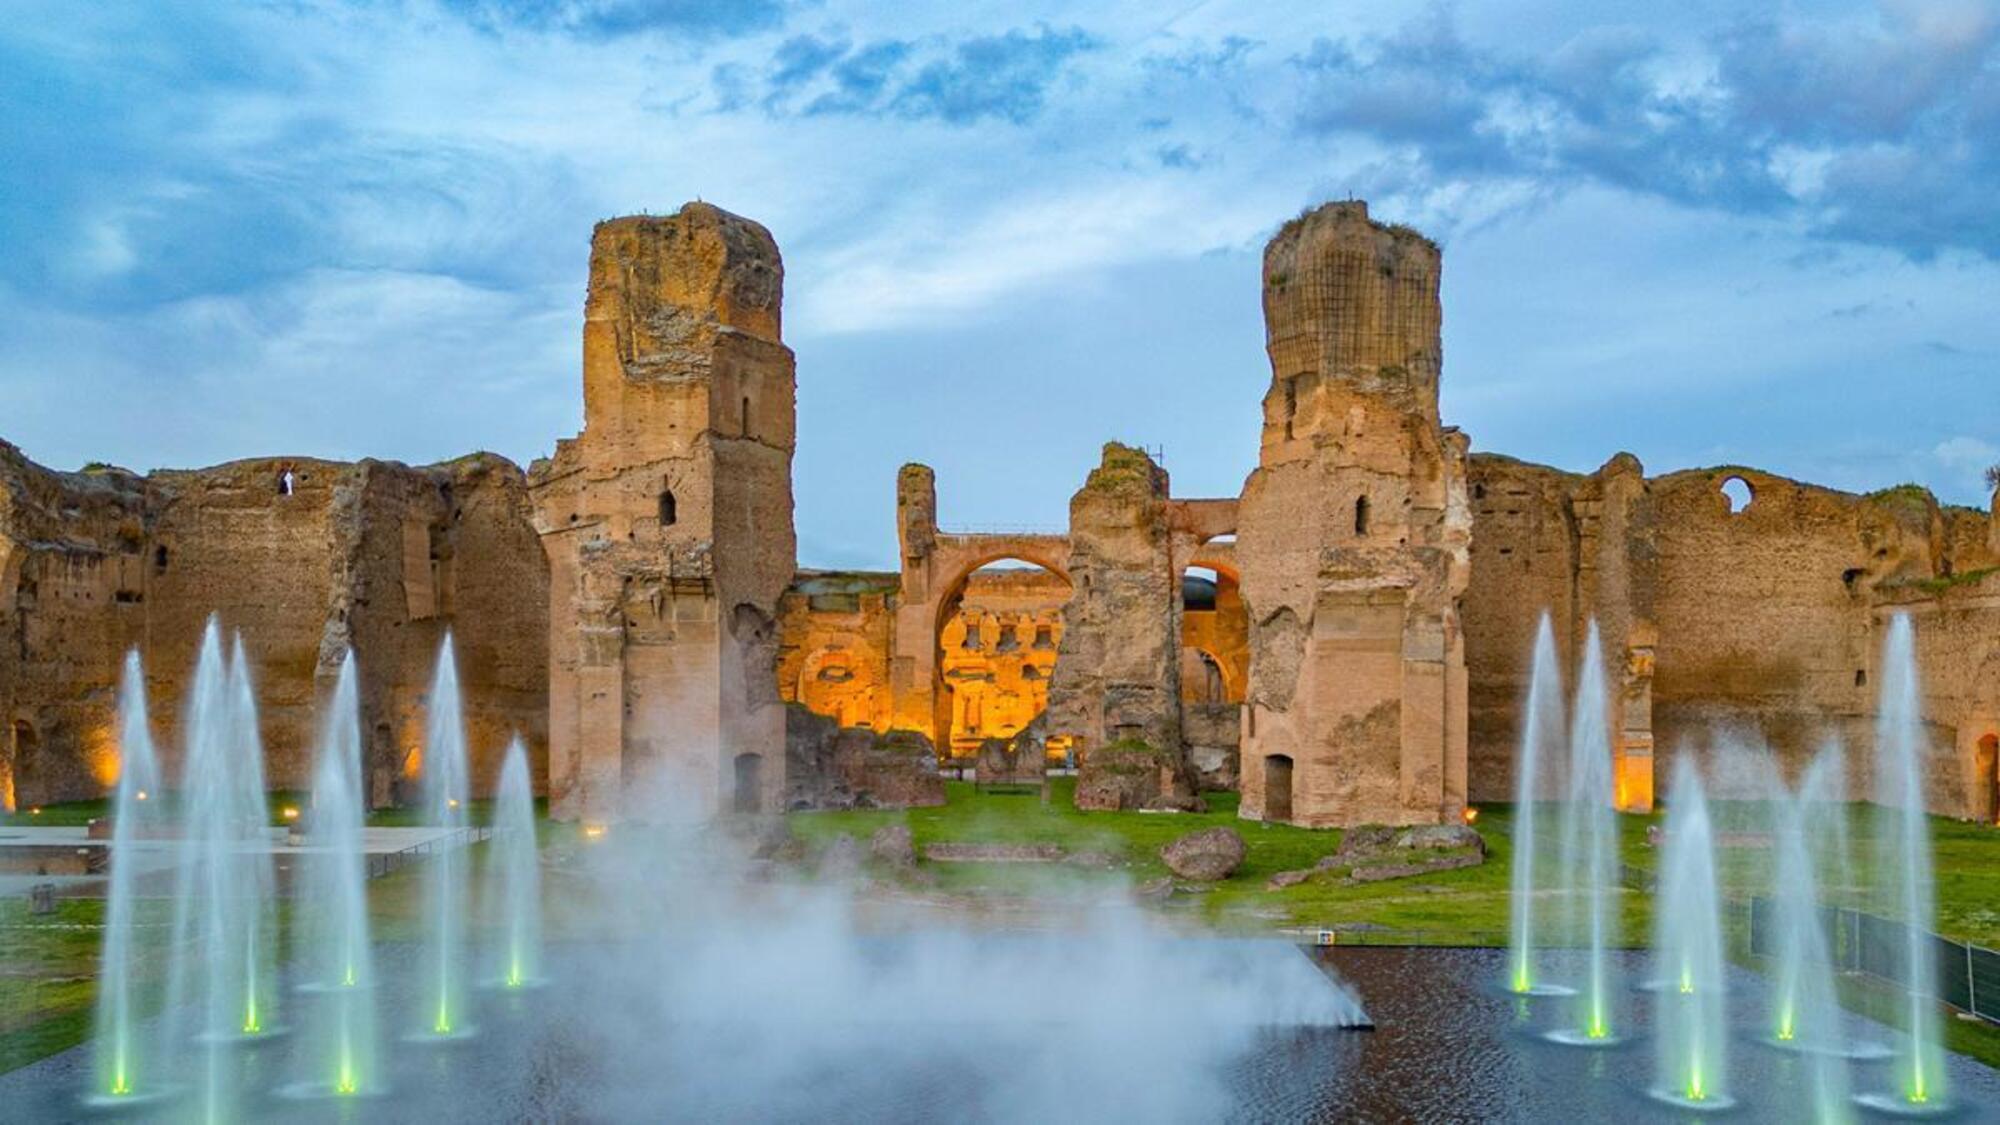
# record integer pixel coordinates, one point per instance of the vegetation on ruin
(1944, 584)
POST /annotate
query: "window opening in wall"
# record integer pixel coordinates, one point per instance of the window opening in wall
(160, 559)
(746, 415)
(285, 481)
(668, 510)
(1738, 492)
(1291, 403)
(1361, 516)
(1861, 677)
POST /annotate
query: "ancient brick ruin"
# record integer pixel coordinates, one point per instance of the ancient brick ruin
(1347, 640)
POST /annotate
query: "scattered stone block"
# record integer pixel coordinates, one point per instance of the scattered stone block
(893, 845)
(1207, 856)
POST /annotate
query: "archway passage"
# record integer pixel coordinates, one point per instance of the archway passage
(1277, 787)
(1987, 797)
(748, 796)
(997, 639)
(1215, 637)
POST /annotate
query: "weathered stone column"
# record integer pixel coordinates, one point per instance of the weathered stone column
(668, 524)
(1353, 540)
(1116, 686)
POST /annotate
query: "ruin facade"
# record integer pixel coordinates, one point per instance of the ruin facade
(304, 559)
(668, 524)
(1347, 640)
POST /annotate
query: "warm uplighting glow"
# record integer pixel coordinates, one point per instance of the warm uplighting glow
(453, 802)
(141, 794)
(100, 756)
(36, 811)
(593, 831)
(1786, 1032)
(1471, 814)
(1697, 1091)
(291, 812)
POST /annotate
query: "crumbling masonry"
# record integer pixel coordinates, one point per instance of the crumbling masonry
(1347, 640)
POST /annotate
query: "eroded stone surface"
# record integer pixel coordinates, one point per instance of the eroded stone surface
(1355, 527)
(1209, 855)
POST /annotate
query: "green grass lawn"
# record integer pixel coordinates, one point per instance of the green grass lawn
(1464, 907)
(48, 964)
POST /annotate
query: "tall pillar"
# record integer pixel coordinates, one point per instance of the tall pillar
(1353, 537)
(668, 525)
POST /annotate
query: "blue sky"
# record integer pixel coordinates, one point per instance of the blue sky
(1702, 232)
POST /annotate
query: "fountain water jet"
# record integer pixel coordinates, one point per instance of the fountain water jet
(125, 1074)
(1805, 1008)
(250, 809)
(221, 903)
(445, 793)
(1903, 874)
(341, 1047)
(1690, 1038)
(1541, 731)
(1590, 854)
(514, 877)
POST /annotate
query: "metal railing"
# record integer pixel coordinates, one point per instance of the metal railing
(1968, 976)
(386, 863)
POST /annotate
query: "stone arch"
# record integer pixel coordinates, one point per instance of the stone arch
(983, 690)
(1277, 787)
(747, 784)
(836, 680)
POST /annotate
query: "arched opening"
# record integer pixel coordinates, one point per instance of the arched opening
(160, 559)
(1361, 516)
(748, 797)
(998, 635)
(746, 415)
(669, 511)
(1738, 493)
(836, 682)
(286, 479)
(1988, 793)
(1277, 787)
(1215, 637)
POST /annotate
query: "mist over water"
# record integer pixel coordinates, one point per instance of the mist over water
(736, 999)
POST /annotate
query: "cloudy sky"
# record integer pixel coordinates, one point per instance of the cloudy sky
(1011, 230)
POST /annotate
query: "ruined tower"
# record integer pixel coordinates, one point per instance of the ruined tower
(1354, 536)
(668, 525)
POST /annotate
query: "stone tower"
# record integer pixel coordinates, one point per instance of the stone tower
(1354, 535)
(668, 525)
